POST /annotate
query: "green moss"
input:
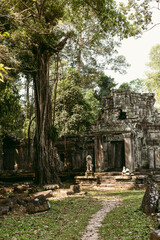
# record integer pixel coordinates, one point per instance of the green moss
(127, 221)
(65, 220)
(68, 218)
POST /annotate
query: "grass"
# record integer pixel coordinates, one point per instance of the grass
(127, 222)
(68, 218)
(65, 220)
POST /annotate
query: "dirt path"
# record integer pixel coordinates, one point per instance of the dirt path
(91, 232)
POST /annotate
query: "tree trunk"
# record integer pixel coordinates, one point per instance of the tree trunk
(27, 98)
(55, 88)
(44, 159)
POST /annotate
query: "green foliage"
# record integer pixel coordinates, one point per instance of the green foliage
(4, 55)
(11, 118)
(128, 220)
(66, 219)
(38, 26)
(2, 71)
(152, 81)
(154, 57)
(28, 128)
(125, 86)
(75, 109)
(74, 76)
(105, 85)
(136, 85)
(139, 13)
(89, 96)
(53, 134)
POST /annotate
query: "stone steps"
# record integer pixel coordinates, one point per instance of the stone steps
(104, 181)
(107, 185)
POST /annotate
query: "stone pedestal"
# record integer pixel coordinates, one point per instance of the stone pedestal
(89, 173)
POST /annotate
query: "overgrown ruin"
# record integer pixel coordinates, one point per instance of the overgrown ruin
(126, 134)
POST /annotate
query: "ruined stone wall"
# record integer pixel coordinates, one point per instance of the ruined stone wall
(127, 133)
(136, 106)
(15, 154)
(129, 117)
(73, 151)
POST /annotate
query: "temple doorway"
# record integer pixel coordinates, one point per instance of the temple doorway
(118, 155)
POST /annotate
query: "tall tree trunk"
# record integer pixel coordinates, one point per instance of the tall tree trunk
(55, 87)
(44, 158)
(27, 97)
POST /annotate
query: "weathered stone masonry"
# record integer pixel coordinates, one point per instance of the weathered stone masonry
(128, 133)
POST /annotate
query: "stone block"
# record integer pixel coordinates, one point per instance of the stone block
(75, 188)
(123, 178)
(5, 206)
(141, 179)
(155, 235)
(20, 188)
(38, 204)
(51, 187)
(150, 199)
(32, 190)
(3, 191)
(46, 194)
(70, 193)
(89, 173)
(4, 210)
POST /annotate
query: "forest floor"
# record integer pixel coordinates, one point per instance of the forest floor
(88, 215)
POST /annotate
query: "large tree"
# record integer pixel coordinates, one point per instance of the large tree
(153, 74)
(43, 27)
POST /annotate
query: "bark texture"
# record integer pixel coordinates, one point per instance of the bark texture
(44, 159)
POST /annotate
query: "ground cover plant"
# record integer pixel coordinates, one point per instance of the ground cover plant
(68, 218)
(127, 221)
(65, 220)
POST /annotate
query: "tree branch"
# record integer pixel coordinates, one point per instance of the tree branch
(42, 5)
(29, 8)
(152, 27)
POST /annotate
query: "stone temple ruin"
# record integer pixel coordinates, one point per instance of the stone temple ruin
(127, 134)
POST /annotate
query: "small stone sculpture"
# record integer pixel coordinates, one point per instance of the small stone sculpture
(125, 171)
(89, 163)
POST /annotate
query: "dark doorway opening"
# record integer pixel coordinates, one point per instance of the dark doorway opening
(122, 115)
(118, 157)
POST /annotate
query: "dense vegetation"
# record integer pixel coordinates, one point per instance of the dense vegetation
(39, 40)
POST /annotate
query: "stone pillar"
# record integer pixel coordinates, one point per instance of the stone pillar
(157, 157)
(96, 151)
(105, 155)
(128, 152)
(101, 154)
(138, 152)
(151, 157)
